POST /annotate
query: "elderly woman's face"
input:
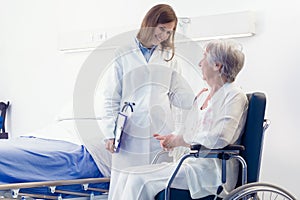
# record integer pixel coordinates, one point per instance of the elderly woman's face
(208, 70)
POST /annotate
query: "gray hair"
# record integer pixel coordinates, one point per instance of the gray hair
(229, 54)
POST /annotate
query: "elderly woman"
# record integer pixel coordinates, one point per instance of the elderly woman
(217, 119)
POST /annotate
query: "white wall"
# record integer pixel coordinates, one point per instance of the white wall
(38, 79)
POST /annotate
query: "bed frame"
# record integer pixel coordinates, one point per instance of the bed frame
(12, 190)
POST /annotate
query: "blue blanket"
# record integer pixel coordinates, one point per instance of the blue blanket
(27, 159)
(30, 159)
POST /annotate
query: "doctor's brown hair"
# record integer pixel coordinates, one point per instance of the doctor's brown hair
(159, 14)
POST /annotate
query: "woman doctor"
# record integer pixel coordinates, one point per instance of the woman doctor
(217, 119)
(144, 73)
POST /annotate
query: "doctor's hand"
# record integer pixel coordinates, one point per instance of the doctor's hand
(109, 145)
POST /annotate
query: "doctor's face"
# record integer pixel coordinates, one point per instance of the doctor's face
(162, 32)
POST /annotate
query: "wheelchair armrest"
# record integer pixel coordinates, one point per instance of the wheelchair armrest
(234, 147)
(226, 153)
(197, 147)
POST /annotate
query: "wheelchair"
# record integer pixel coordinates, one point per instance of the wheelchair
(248, 154)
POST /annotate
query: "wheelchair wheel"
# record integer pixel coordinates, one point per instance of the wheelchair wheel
(259, 191)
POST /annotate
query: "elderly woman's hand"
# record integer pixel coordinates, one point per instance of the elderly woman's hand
(168, 142)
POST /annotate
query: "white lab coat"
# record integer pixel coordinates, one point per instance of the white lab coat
(155, 87)
(218, 125)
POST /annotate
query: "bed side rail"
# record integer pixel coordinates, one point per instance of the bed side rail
(14, 188)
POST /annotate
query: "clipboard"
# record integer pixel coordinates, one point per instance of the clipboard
(120, 124)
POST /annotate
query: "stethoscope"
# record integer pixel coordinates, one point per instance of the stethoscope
(127, 104)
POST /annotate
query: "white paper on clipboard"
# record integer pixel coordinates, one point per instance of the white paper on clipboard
(120, 124)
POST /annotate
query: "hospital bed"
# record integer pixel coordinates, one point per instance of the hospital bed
(52, 163)
(249, 155)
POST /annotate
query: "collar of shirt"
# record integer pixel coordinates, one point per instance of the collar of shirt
(146, 51)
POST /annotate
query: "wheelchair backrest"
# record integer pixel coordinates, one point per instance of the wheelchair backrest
(252, 138)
